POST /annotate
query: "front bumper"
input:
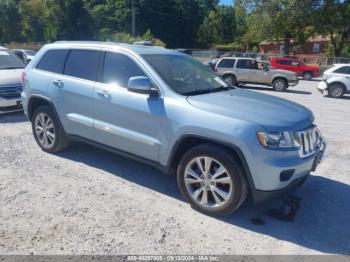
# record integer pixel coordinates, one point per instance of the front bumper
(293, 82)
(322, 86)
(10, 105)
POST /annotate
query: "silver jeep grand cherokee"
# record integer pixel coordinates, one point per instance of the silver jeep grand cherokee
(239, 70)
(168, 110)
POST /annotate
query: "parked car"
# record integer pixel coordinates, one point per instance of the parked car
(297, 66)
(212, 64)
(336, 81)
(25, 55)
(11, 69)
(236, 71)
(168, 110)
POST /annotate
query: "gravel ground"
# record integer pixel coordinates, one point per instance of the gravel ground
(88, 201)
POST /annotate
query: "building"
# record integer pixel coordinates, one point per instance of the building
(314, 46)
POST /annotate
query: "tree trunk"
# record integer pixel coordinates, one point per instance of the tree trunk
(286, 43)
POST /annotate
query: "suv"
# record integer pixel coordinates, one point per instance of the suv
(297, 66)
(246, 70)
(166, 109)
(336, 81)
(11, 69)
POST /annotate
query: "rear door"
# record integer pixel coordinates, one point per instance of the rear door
(243, 70)
(125, 120)
(72, 91)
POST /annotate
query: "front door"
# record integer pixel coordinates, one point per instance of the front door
(128, 121)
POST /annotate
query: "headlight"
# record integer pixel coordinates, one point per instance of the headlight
(277, 139)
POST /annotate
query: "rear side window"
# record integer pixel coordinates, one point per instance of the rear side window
(284, 62)
(119, 68)
(227, 63)
(83, 64)
(243, 64)
(343, 70)
(53, 61)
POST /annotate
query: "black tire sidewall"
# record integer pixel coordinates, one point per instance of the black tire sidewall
(234, 171)
(58, 130)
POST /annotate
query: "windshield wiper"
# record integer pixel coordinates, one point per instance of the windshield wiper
(207, 91)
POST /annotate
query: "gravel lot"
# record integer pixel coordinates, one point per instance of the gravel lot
(88, 201)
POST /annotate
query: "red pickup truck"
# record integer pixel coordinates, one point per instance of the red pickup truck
(297, 66)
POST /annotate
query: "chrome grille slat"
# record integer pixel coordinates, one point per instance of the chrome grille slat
(309, 141)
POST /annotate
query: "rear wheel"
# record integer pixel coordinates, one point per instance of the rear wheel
(307, 76)
(212, 180)
(336, 90)
(280, 85)
(230, 80)
(47, 130)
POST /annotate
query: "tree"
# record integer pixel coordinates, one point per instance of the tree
(10, 21)
(332, 19)
(284, 20)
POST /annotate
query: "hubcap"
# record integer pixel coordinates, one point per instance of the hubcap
(279, 85)
(307, 76)
(207, 181)
(229, 80)
(45, 130)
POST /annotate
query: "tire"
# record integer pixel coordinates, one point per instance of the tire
(307, 76)
(336, 90)
(231, 184)
(280, 85)
(230, 80)
(47, 130)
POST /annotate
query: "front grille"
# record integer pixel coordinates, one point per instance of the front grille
(310, 141)
(11, 91)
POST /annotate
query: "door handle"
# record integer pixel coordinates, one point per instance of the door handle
(104, 94)
(58, 83)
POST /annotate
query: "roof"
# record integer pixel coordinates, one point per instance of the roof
(138, 49)
(237, 57)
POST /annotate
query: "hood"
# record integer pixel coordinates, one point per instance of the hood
(9, 77)
(274, 114)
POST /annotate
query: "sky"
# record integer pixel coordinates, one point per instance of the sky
(226, 2)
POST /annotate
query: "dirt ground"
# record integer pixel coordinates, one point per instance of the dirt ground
(88, 201)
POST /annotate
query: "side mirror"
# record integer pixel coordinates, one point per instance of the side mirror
(141, 85)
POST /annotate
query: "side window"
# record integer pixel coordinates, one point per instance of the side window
(343, 70)
(227, 63)
(244, 64)
(118, 68)
(53, 61)
(83, 64)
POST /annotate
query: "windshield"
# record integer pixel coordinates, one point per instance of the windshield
(9, 61)
(30, 52)
(185, 75)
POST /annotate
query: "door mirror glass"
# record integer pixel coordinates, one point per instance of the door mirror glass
(140, 84)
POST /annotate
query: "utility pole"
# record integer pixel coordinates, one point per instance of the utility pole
(133, 14)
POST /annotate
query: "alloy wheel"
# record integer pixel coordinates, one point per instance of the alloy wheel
(208, 182)
(45, 130)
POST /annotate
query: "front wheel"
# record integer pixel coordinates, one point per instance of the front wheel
(212, 180)
(280, 85)
(230, 80)
(336, 90)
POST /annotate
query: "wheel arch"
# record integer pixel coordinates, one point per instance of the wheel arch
(188, 141)
(280, 77)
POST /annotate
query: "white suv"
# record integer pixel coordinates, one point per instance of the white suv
(336, 81)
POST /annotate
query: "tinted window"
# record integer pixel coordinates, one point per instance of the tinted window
(53, 61)
(119, 68)
(243, 64)
(227, 63)
(284, 62)
(9, 60)
(343, 70)
(82, 64)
